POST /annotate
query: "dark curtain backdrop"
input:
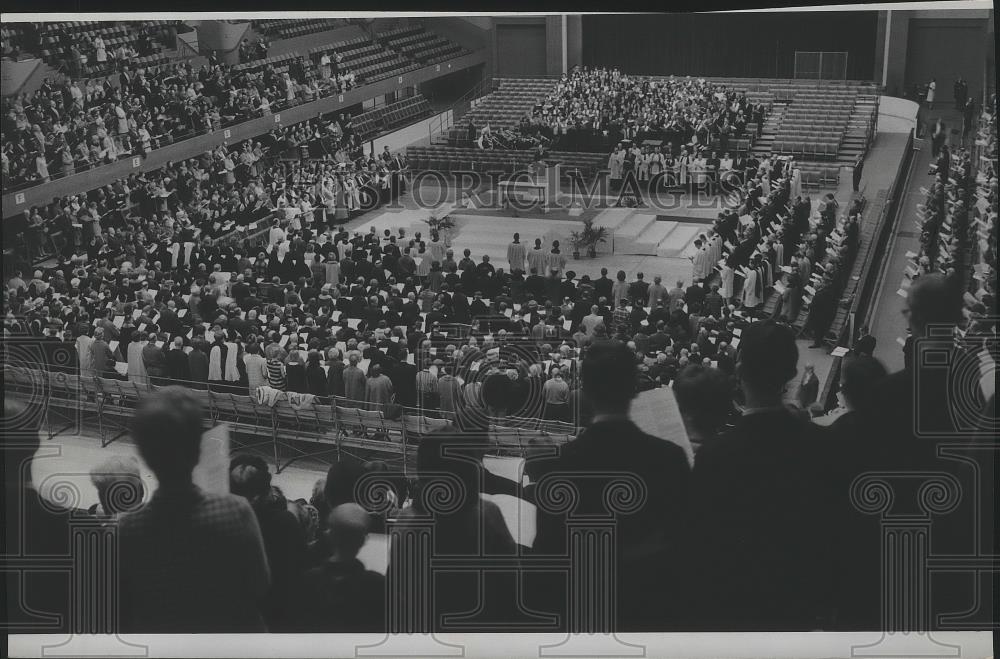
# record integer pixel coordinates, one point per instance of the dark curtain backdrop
(745, 45)
(520, 50)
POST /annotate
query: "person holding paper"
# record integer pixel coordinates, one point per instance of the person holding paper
(102, 360)
(613, 450)
(177, 364)
(189, 561)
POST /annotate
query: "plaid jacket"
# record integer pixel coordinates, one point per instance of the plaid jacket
(191, 561)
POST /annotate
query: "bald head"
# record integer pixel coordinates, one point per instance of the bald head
(348, 529)
(933, 299)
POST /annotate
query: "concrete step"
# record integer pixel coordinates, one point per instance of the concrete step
(648, 240)
(678, 240)
(612, 218)
(627, 234)
(635, 224)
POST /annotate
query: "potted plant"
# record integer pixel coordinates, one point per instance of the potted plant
(442, 226)
(577, 240)
(593, 236)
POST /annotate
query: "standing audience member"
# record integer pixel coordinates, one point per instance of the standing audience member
(647, 537)
(190, 561)
(284, 542)
(119, 487)
(705, 400)
(340, 595)
(760, 507)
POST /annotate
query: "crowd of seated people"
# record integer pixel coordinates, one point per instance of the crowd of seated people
(64, 128)
(592, 109)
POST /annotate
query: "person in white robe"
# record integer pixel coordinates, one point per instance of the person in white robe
(703, 262)
(516, 253)
(753, 293)
(726, 279)
(136, 365)
(796, 184)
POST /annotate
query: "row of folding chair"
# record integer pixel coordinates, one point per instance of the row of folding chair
(71, 400)
(816, 150)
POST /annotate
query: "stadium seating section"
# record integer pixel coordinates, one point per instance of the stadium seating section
(421, 45)
(279, 62)
(384, 119)
(287, 29)
(55, 48)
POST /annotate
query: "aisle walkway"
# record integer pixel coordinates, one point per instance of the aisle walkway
(889, 326)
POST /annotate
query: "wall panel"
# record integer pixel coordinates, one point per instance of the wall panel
(751, 45)
(946, 49)
(521, 50)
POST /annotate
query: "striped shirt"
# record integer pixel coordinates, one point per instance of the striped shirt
(276, 374)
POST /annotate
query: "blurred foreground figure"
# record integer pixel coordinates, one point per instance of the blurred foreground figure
(190, 561)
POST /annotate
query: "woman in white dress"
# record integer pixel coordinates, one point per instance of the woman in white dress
(931, 91)
(42, 166)
(324, 66)
(796, 184)
(102, 54)
(122, 119)
(230, 169)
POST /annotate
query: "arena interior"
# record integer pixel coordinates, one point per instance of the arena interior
(543, 323)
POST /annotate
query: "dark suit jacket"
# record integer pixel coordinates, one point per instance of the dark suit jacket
(340, 596)
(761, 502)
(178, 367)
(169, 322)
(404, 382)
(102, 360)
(647, 538)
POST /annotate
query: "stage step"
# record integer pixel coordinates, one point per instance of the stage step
(675, 243)
(612, 218)
(649, 239)
(634, 225)
(629, 231)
